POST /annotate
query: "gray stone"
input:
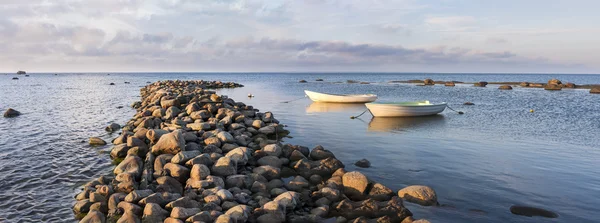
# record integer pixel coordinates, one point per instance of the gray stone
(131, 165)
(184, 213)
(272, 150)
(224, 167)
(171, 143)
(184, 156)
(199, 172)
(238, 155)
(225, 137)
(270, 161)
(11, 113)
(110, 128)
(136, 195)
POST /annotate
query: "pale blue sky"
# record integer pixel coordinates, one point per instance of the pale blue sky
(312, 35)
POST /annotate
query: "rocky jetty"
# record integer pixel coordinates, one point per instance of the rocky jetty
(505, 87)
(190, 155)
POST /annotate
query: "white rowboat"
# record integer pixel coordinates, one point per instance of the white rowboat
(340, 98)
(405, 109)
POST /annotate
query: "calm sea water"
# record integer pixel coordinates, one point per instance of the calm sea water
(496, 155)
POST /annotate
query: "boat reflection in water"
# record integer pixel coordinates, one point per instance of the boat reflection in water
(317, 107)
(398, 124)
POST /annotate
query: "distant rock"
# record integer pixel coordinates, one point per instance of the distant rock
(15, 78)
(428, 82)
(11, 113)
(569, 85)
(319, 79)
(302, 81)
(481, 84)
(554, 82)
(419, 194)
(21, 72)
(532, 211)
(553, 87)
(524, 84)
(536, 85)
(595, 90)
(111, 84)
(505, 87)
(468, 103)
(352, 81)
(449, 84)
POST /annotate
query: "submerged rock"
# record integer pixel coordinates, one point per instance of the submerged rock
(112, 127)
(96, 141)
(364, 163)
(302, 81)
(532, 211)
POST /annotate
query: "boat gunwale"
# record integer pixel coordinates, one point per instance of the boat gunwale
(343, 95)
(397, 104)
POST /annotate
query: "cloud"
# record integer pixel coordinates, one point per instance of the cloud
(451, 23)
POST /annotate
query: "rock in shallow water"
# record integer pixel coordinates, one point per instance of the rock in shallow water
(96, 141)
(364, 163)
(532, 211)
(11, 113)
(112, 127)
(419, 194)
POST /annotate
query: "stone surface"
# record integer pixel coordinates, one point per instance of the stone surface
(355, 184)
(96, 141)
(505, 87)
(419, 194)
(364, 163)
(224, 167)
(170, 143)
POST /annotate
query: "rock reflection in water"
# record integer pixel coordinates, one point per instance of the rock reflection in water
(317, 107)
(399, 124)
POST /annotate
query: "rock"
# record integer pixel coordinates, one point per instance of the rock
(554, 81)
(505, 87)
(102, 207)
(569, 85)
(131, 165)
(289, 200)
(267, 130)
(532, 211)
(319, 79)
(298, 184)
(268, 172)
(94, 217)
(272, 150)
(380, 192)
(224, 195)
(130, 208)
(270, 161)
(97, 197)
(170, 143)
(302, 81)
(239, 156)
(136, 195)
(449, 84)
(224, 167)
(429, 82)
(179, 172)
(95, 141)
(271, 218)
(154, 213)
(169, 185)
(154, 134)
(480, 84)
(11, 113)
(21, 72)
(538, 85)
(552, 87)
(225, 137)
(213, 141)
(114, 200)
(468, 103)
(364, 163)
(524, 84)
(355, 184)
(419, 194)
(199, 172)
(203, 216)
(82, 206)
(319, 153)
(112, 127)
(184, 213)
(239, 213)
(201, 159)
(184, 156)
(595, 90)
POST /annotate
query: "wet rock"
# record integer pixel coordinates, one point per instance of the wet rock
(505, 87)
(364, 163)
(419, 194)
(270, 161)
(355, 184)
(532, 211)
(380, 192)
(171, 143)
(468, 103)
(298, 184)
(96, 141)
(119, 151)
(302, 81)
(11, 113)
(112, 127)
(268, 172)
(319, 153)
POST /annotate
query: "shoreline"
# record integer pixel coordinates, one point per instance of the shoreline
(523, 84)
(191, 155)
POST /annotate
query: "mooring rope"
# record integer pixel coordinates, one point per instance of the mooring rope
(353, 117)
(294, 99)
(459, 112)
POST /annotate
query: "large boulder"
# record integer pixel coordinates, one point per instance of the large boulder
(355, 184)
(429, 82)
(132, 165)
(595, 90)
(94, 217)
(112, 127)
(96, 141)
(11, 113)
(171, 143)
(419, 194)
(554, 81)
(553, 87)
(239, 155)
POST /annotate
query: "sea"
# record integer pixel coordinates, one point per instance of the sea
(525, 146)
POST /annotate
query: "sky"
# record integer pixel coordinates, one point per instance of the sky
(491, 36)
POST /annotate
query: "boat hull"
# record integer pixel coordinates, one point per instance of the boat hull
(332, 98)
(399, 110)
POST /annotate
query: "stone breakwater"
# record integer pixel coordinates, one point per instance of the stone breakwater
(190, 155)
